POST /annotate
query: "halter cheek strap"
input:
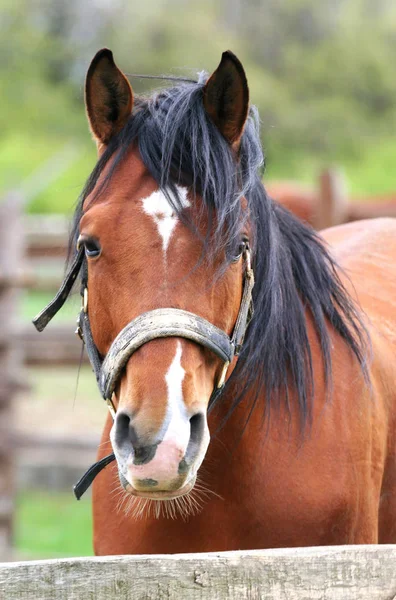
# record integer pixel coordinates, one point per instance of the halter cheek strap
(159, 323)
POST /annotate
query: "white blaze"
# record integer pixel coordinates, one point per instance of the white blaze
(178, 424)
(157, 206)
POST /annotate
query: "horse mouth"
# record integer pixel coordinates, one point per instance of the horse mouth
(160, 494)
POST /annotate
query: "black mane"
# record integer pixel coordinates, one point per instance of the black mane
(294, 272)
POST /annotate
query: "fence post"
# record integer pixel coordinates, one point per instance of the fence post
(11, 255)
(333, 201)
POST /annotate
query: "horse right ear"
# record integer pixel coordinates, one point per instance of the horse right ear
(108, 97)
(226, 98)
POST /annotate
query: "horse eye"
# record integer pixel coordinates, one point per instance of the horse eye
(91, 246)
(240, 249)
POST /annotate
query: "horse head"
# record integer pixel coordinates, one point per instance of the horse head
(152, 243)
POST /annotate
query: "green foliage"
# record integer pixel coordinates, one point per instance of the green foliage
(61, 196)
(321, 74)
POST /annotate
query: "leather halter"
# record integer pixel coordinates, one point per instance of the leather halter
(158, 323)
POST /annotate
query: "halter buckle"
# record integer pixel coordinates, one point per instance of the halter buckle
(111, 408)
(85, 300)
(223, 374)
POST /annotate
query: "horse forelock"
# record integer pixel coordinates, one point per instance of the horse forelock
(294, 272)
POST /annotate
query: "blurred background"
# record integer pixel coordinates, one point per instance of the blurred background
(322, 73)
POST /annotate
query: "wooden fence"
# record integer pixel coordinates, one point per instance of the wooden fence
(12, 279)
(11, 252)
(327, 573)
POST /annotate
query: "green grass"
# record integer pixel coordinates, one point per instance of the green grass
(52, 525)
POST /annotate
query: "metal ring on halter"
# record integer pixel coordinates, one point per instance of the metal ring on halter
(85, 300)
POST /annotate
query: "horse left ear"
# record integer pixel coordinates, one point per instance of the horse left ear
(108, 97)
(226, 98)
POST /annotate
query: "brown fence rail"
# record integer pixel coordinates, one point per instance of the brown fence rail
(333, 573)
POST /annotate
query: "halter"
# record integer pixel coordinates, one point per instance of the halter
(158, 323)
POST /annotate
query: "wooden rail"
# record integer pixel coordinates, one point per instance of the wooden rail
(331, 573)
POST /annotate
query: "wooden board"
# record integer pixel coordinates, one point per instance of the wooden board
(329, 573)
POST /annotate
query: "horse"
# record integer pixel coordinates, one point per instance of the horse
(247, 361)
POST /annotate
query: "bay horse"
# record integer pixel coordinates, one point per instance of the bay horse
(293, 378)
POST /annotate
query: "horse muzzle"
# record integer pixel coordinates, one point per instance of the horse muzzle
(160, 467)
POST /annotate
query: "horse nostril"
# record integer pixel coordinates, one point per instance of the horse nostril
(197, 428)
(122, 424)
(144, 454)
(197, 423)
(126, 438)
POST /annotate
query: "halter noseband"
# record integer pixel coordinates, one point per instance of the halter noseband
(158, 323)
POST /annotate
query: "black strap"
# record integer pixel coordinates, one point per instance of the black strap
(83, 484)
(41, 320)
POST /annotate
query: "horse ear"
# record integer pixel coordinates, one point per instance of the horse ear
(226, 98)
(108, 97)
